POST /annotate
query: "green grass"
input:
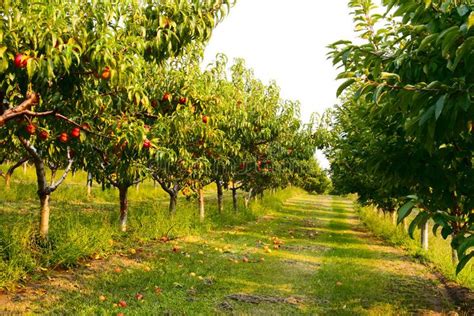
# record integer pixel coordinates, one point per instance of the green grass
(438, 254)
(328, 264)
(82, 227)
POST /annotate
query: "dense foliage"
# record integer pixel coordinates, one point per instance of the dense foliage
(403, 135)
(115, 88)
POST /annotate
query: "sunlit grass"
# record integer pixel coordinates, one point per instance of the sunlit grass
(439, 252)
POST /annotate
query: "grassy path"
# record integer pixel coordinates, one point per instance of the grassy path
(327, 264)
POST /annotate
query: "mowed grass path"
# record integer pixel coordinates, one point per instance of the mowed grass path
(327, 264)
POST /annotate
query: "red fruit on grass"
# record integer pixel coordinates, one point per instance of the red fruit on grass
(120, 314)
(146, 144)
(176, 249)
(183, 100)
(21, 60)
(31, 129)
(166, 97)
(63, 138)
(43, 135)
(122, 304)
(139, 296)
(105, 73)
(76, 132)
(205, 119)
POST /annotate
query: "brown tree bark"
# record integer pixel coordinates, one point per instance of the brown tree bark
(123, 195)
(220, 196)
(201, 205)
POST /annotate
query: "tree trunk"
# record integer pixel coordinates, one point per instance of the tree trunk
(394, 217)
(220, 196)
(43, 196)
(173, 202)
(405, 224)
(89, 184)
(123, 192)
(247, 198)
(424, 236)
(44, 215)
(454, 257)
(234, 198)
(137, 187)
(201, 205)
(25, 165)
(8, 178)
(53, 175)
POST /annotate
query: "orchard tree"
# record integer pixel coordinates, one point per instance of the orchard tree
(76, 58)
(416, 66)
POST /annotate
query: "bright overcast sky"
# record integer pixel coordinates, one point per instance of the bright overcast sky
(286, 41)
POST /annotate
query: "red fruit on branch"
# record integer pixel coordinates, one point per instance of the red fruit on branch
(183, 100)
(205, 119)
(105, 73)
(166, 97)
(21, 60)
(31, 129)
(63, 138)
(43, 135)
(76, 132)
(146, 144)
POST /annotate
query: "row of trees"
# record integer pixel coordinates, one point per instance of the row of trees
(402, 137)
(115, 89)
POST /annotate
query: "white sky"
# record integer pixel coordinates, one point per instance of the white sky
(286, 41)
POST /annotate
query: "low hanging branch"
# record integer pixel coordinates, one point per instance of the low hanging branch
(26, 105)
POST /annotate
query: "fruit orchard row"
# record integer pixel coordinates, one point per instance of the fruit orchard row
(403, 136)
(116, 90)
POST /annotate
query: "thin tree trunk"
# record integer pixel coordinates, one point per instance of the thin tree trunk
(247, 198)
(405, 224)
(43, 195)
(454, 257)
(25, 165)
(89, 184)
(44, 215)
(123, 193)
(173, 202)
(53, 175)
(424, 236)
(234, 198)
(394, 217)
(8, 178)
(137, 187)
(201, 205)
(220, 196)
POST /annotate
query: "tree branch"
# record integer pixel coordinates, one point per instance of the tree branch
(20, 109)
(55, 185)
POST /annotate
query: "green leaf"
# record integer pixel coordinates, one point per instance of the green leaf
(465, 245)
(463, 261)
(446, 231)
(426, 116)
(416, 221)
(344, 86)
(440, 105)
(470, 20)
(405, 210)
